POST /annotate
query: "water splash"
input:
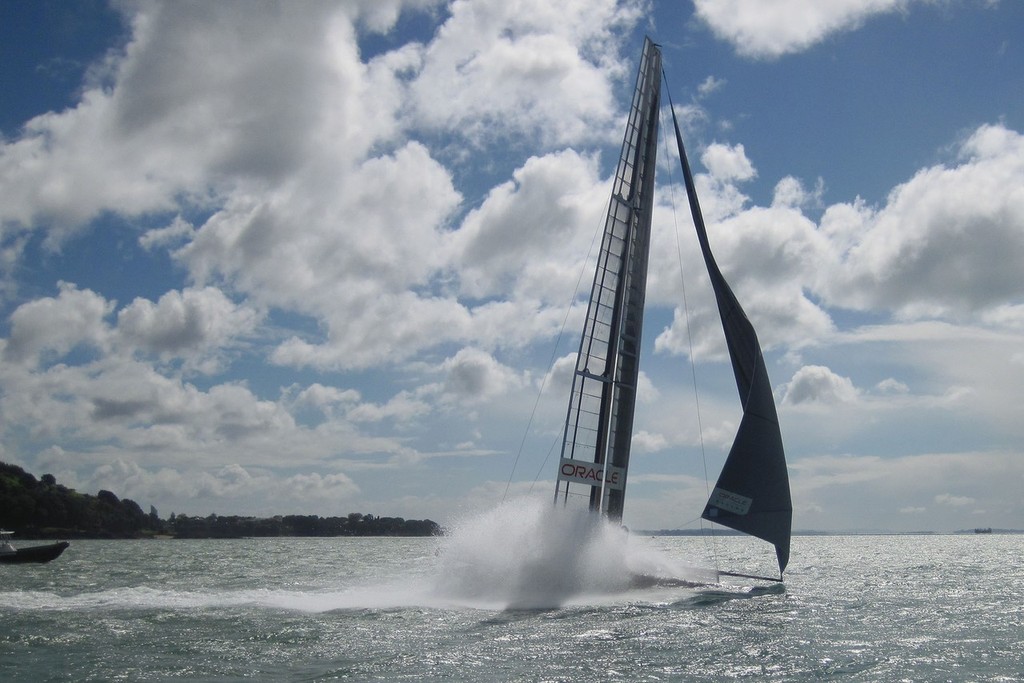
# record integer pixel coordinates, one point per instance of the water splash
(527, 555)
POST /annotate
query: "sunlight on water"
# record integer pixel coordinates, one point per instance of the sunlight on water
(480, 604)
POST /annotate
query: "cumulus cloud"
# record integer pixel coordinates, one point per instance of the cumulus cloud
(117, 405)
(727, 162)
(179, 230)
(771, 29)
(946, 243)
(158, 123)
(790, 192)
(529, 68)
(472, 375)
(768, 255)
(56, 325)
(529, 235)
(192, 324)
(284, 186)
(818, 384)
(180, 323)
(402, 408)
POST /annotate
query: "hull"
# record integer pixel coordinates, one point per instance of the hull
(38, 553)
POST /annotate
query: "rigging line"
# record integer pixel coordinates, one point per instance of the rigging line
(554, 442)
(544, 381)
(686, 317)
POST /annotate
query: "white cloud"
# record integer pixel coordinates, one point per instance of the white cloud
(159, 125)
(318, 487)
(768, 255)
(818, 384)
(287, 184)
(761, 29)
(402, 408)
(56, 325)
(727, 162)
(646, 442)
(186, 322)
(114, 405)
(529, 67)
(472, 376)
(327, 256)
(710, 85)
(790, 192)
(196, 325)
(529, 235)
(891, 386)
(947, 243)
(179, 230)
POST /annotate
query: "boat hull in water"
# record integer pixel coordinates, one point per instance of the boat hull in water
(36, 553)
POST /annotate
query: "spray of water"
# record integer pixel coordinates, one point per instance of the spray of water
(525, 554)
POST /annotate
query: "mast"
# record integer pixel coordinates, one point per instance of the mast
(599, 423)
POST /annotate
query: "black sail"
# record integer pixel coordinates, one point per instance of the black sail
(752, 492)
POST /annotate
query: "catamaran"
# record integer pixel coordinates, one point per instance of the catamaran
(752, 492)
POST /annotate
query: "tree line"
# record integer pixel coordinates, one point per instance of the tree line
(42, 508)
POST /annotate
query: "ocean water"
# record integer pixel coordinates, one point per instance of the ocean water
(499, 600)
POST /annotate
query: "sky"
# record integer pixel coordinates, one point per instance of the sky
(264, 258)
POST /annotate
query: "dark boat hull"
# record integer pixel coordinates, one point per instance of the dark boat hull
(37, 553)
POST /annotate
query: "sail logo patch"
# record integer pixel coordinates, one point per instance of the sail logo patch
(591, 473)
(730, 502)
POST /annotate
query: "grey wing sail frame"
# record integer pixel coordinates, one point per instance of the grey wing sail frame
(599, 423)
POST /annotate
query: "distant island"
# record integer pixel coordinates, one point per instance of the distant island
(42, 508)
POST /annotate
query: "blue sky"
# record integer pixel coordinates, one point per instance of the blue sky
(322, 257)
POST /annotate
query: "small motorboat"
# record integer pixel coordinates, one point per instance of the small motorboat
(37, 553)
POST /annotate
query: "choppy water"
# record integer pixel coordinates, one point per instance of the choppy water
(859, 608)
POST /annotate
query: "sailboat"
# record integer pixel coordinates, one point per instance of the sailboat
(752, 492)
